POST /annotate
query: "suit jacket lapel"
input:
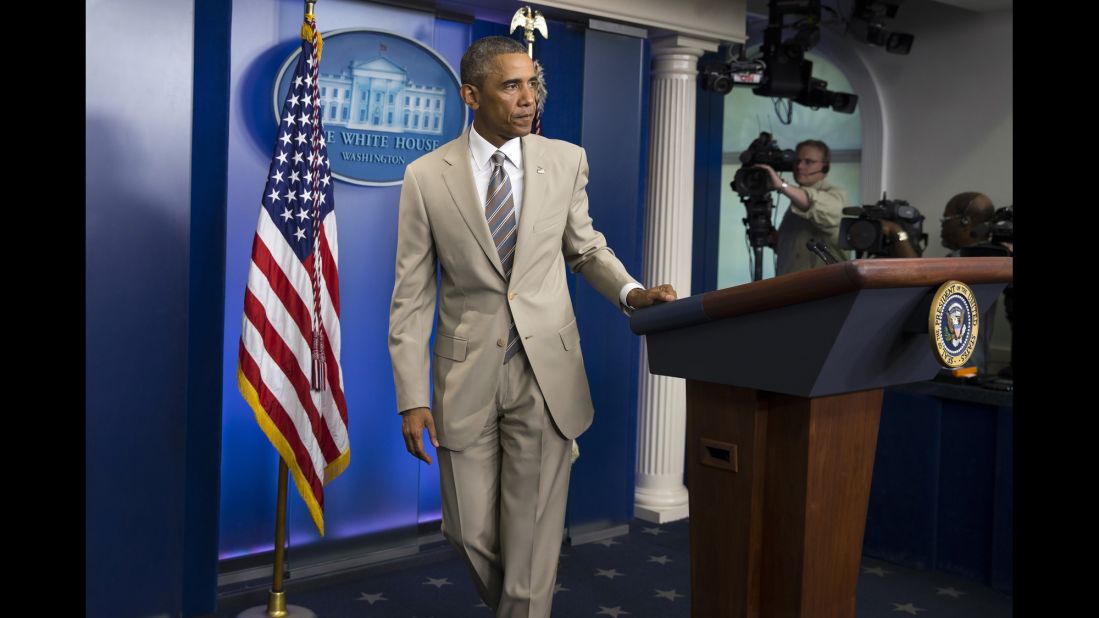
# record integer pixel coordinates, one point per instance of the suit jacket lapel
(459, 181)
(534, 190)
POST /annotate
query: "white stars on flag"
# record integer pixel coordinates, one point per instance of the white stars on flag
(372, 598)
(671, 595)
(907, 608)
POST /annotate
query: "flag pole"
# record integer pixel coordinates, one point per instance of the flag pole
(276, 597)
(276, 600)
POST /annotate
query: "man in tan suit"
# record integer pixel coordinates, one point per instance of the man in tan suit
(500, 213)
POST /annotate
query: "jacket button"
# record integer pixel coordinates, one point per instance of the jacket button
(512, 295)
(500, 342)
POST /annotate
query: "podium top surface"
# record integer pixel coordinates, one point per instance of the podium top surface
(819, 283)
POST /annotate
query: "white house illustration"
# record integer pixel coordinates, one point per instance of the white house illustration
(377, 95)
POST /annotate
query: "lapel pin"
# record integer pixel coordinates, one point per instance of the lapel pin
(540, 170)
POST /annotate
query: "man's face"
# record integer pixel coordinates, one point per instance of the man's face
(954, 233)
(809, 168)
(504, 106)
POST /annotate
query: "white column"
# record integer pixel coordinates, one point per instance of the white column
(659, 495)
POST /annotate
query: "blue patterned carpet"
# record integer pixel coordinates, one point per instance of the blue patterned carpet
(645, 574)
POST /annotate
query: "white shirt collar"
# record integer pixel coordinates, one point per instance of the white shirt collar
(482, 150)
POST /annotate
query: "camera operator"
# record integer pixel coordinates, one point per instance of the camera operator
(964, 213)
(816, 207)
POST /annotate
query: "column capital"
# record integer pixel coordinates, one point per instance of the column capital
(682, 44)
(676, 56)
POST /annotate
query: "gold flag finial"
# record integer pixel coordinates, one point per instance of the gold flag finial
(530, 21)
(307, 30)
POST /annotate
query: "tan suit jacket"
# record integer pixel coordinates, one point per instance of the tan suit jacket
(442, 223)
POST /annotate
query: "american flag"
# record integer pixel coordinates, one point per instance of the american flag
(289, 366)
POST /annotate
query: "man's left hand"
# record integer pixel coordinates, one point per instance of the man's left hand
(776, 180)
(639, 298)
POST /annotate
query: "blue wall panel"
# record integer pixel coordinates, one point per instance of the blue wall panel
(709, 131)
(614, 119)
(213, 20)
(137, 252)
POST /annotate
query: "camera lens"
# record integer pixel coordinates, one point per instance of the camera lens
(752, 181)
(861, 235)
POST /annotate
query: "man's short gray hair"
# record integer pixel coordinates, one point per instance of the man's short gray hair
(477, 61)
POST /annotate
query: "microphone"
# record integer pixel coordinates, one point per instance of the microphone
(821, 251)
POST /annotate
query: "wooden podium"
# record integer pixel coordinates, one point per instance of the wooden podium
(784, 391)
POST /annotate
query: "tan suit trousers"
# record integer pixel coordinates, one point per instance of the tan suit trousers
(504, 498)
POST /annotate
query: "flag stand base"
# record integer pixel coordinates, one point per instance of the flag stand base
(277, 608)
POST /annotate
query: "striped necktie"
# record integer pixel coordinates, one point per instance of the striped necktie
(500, 212)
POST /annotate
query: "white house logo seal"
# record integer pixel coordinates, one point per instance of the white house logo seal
(386, 100)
